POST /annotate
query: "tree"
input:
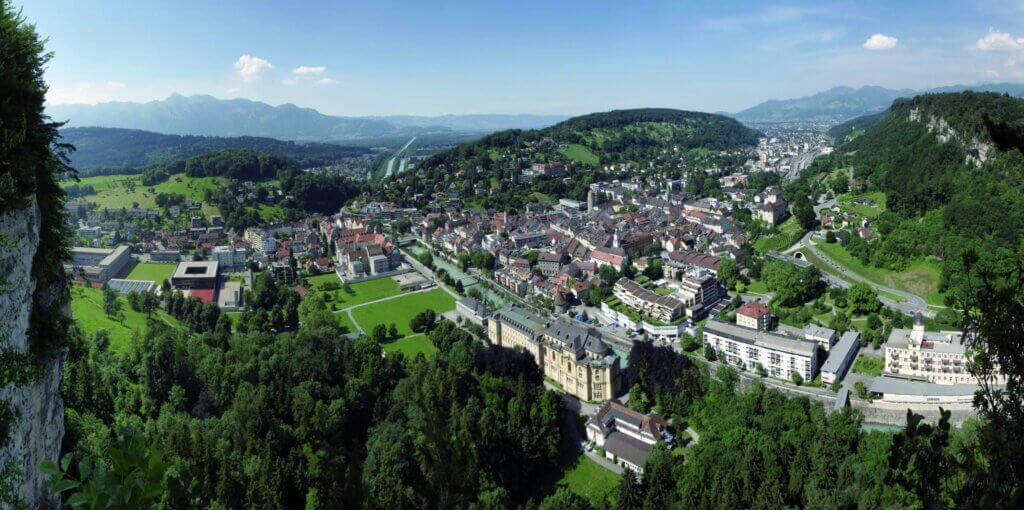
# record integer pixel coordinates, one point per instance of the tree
(803, 211)
(728, 272)
(132, 474)
(631, 492)
(797, 378)
(863, 299)
(111, 304)
(565, 499)
(380, 333)
(392, 331)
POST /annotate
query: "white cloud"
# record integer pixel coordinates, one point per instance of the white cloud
(992, 73)
(250, 67)
(999, 41)
(326, 81)
(86, 93)
(308, 70)
(880, 42)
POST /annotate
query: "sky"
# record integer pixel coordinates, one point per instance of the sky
(567, 57)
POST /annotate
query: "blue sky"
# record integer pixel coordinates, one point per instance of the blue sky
(557, 56)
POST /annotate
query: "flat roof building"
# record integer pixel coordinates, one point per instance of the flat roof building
(195, 275)
(647, 302)
(98, 265)
(939, 357)
(840, 357)
(781, 356)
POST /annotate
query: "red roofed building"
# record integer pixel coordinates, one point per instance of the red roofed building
(615, 257)
(754, 315)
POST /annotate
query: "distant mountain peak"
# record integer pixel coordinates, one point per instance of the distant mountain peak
(842, 103)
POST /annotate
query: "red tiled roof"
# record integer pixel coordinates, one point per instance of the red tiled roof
(755, 309)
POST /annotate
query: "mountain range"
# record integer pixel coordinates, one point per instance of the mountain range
(844, 103)
(205, 115)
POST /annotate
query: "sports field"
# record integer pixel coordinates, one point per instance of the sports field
(361, 292)
(402, 309)
(151, 271)
(87, 310)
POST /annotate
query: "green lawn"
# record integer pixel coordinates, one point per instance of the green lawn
(921, 277)
(411, 346)
(756, 287)
(663, 291)
(362, 292)
(402, 309)
(544, 197)
(878, 197)
(581, 153)
(590, 480)
(121, 191)
(87, 310)
(868, 366)
(789, 233)
(826, 268)
(151, 271)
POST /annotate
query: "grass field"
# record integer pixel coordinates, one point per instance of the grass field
(757, 287)
(868, 366)
(544, 197)
(121, 191)
(402, 309)
(362, 292)
(789, 233)
(590, 480)
(412, 345)
(921, 277)
(87, 310)
(151, 271)
(826, 268)
(577, 152)
(846, 203)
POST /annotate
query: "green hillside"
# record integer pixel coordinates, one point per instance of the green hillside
(650, 138)
(952, 170)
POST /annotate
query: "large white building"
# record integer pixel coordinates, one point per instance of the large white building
(98, 265)
(937, 357)
(230, 258)
(779, 355)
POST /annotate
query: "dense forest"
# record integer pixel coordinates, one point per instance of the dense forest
(101, 148)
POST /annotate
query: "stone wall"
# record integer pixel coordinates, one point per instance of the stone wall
(38, 428)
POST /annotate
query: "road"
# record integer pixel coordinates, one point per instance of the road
(398, 154)
(911, 305)
(799, 162)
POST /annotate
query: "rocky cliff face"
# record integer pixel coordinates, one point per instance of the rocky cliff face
(38, 426)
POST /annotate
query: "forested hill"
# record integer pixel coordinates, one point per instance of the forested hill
(99, 148)
(852, 127)
(491, 170)
(953, 174)
(615, 136)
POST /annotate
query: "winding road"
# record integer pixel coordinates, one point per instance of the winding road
(911, 304)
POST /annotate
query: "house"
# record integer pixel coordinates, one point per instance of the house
(625, 435)
(549, 263)
(610, 256)
(472, 310)
(754, 315)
